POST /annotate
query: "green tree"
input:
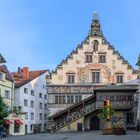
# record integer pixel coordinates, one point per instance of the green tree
(3, 111)
(103, 115)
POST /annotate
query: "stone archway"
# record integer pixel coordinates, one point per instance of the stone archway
(94, 123)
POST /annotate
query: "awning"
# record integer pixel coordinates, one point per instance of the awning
(8, 122)
(18, 122)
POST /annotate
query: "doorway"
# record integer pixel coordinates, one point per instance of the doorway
(94, 123)
(79, 126)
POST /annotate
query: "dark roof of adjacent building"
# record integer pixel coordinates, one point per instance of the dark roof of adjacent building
(2, 60)
(4, 69)
(20, 80)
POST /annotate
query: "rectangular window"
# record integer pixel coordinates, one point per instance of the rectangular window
(7, 94)
(40, 115)
(32, 92)
(96, 77)
(102, 58)
(25, 102)
(40, 95)
(45, 97)
(56, 99)
(45, 116)
(45, 126)
(88, 58)
(16, 127)
(130, 118)
(32, 104)
(60, 100)
(1, 76)
(26, 90)
(78, 98)
(32, 116)
(70, 79)
(31, 127)
(40, 105)
(70, 99)
(64, 99)
(26, 115)
(45, 106)
(119, 78)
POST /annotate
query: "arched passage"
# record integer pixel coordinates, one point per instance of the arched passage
(94, 123)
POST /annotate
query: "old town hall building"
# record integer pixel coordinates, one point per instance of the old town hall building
(92, 73)
(94, 63)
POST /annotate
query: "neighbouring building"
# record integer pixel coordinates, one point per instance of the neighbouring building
(14, 123)
(6, 84)
(94, 63)
(31, 98)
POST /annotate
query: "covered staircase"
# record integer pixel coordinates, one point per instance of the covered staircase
(64, 118)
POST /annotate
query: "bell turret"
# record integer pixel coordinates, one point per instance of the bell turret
(95, 26)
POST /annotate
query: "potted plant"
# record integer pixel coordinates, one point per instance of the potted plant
(118, 129)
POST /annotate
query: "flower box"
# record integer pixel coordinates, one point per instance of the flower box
(107, 131)
(119, 131)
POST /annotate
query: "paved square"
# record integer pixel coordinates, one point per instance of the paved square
(131, 135)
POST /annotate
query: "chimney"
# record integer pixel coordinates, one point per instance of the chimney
(19, 70)
(25, 72)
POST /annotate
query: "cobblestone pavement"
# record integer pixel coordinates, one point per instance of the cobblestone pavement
(131, 135)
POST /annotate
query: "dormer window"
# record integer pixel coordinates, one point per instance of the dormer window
(2, 76)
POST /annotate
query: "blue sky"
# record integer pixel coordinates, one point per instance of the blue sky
(40, 33)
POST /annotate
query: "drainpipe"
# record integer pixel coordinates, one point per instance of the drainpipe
(13, 95)
(138, 110)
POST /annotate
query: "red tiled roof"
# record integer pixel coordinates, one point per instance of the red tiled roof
(8, 75)
(20, 80)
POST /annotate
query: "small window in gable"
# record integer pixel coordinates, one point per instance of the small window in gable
(70, 79)
(2, 76)
(119, 78)
(102, 58)
(88, 58)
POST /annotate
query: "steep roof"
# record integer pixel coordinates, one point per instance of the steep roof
(8, 75)
(20, 80)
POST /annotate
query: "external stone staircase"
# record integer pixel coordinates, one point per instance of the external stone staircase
(87, 110)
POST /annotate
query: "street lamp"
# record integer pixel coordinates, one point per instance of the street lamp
(138, 111)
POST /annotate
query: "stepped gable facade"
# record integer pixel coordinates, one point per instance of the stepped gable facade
(94, 63)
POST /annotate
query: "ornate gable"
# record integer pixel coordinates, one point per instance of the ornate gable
(94, 54)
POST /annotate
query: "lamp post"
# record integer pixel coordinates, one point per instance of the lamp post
(138, 110)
